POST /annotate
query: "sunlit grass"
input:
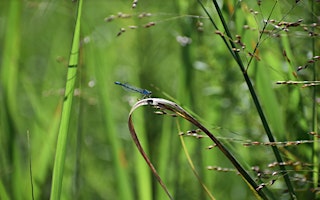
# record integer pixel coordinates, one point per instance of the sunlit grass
(174, 47)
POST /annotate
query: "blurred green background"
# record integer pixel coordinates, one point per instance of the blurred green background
(180, 58)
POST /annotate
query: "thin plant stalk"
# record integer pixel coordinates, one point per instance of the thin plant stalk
(58, 168)
(254, 97)
(316, 148)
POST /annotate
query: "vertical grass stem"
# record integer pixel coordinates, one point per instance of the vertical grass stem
(58, 168)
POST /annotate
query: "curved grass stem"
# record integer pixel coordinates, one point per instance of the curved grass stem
(164, 104)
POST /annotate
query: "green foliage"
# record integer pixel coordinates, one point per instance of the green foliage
(173, 49)
(62, 143)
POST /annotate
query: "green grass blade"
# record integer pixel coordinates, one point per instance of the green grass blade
(66, 111)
